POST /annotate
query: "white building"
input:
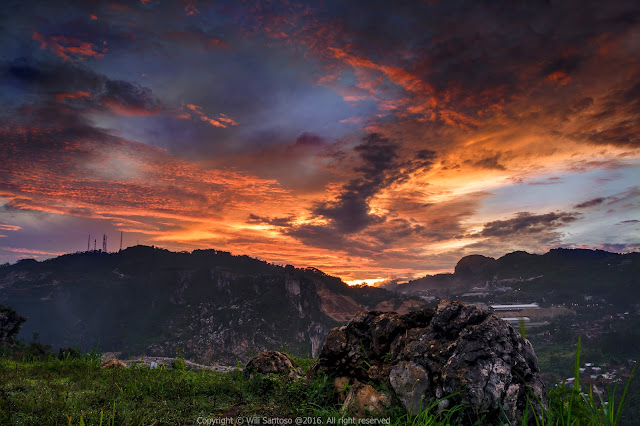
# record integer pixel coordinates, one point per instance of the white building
(503, 308)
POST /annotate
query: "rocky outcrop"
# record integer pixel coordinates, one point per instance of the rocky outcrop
(271, 362)
(456, 349)
(475, 266)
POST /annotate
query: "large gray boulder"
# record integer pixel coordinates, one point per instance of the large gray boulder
(432, 353)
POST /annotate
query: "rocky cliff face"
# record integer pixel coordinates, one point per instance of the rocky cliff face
(249, 315)
(211, 305)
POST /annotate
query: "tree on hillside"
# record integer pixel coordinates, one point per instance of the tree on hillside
(10, 323)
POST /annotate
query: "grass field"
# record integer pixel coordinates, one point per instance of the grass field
(77, 391)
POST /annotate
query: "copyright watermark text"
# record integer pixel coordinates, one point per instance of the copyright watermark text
(255, 420)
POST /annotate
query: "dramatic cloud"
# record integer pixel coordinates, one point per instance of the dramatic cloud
(347, 136)
(68, 47)
(527, 223)
(590, 203)
(379, 169)
(490, 163)
(80, 89)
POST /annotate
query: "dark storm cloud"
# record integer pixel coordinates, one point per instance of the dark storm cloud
(75, 85)
(321, 236)
(624, 133)
(425, 158)
(309, 139)
(131, 97)
(49, 77)
(590, 203)
(548, 181)
(349, 215)
(626, 199)
(527, 223)
(490, 163)
(282, 222)
(515, 51)
(381, 167)
(350, 212)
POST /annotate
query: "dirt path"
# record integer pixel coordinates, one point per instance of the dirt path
(152, 362)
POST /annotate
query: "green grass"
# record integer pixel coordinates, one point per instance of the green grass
(53, 391)
(77, 391)
(577, 405)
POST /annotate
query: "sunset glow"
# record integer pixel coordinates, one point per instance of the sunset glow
(373, 141)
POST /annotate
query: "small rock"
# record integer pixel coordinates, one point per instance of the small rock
(271, 362)
(364, 400)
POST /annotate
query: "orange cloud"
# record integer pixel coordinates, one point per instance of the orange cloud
(222, 120)
(32, 253)
(68, 47)
(130, 110)
(402, 78)
(80, 94)
(355, 120)
(213, 122)
(560, 78)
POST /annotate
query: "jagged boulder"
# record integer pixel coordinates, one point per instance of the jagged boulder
(271, 362)
(432, 353)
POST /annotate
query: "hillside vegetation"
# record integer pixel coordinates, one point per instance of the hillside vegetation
(211, 304)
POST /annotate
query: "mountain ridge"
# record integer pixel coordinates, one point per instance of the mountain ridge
(218, 307)
(210, 304)
(560, 270)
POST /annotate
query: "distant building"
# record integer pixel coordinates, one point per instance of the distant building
(506, 308)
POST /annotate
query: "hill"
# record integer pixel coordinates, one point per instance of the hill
(559, 276)
(210, 304)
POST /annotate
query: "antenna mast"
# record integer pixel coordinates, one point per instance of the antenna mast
(104, 243)
(121, 240)
(95, 241)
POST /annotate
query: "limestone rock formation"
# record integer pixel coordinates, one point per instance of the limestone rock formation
(271, 362)
(433, 353)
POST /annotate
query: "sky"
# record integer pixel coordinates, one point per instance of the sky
(373, 140)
